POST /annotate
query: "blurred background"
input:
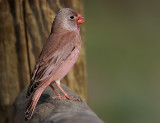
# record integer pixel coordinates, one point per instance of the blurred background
(123, 54)
(123, 59)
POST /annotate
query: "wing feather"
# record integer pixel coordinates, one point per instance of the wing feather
(55, 51)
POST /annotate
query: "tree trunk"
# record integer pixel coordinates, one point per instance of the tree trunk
(25, 25)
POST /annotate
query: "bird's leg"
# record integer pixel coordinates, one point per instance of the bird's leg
(58, 95)
(66, 95)
(54, 90)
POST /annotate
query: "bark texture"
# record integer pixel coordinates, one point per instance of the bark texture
(24, 27)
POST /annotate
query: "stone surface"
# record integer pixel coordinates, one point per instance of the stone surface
(54, 110)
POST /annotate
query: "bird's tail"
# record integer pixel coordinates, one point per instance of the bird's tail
(32, 103)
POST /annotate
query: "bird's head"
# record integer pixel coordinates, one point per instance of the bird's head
(67, 19)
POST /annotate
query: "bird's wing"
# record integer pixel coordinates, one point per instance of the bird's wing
(55, 51)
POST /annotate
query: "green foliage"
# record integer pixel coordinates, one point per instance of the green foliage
(123, 58)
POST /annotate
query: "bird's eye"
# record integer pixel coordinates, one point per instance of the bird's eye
(72, 17)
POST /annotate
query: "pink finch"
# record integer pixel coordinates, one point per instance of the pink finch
(58, 56)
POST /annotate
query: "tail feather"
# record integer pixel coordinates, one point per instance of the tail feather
(29, 111)
(32, 103)
(32, 88)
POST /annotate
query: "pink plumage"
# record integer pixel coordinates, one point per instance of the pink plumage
(58, 56)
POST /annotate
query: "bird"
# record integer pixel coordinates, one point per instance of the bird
(58, 55)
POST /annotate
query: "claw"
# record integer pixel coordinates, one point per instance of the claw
(72, 98)
(65, 97)
(58, 97)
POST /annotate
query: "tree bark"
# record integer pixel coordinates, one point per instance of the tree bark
(25, 25)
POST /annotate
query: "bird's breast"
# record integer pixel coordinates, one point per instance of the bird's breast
(66, 65)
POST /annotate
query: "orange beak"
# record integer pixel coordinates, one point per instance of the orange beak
(79, 18)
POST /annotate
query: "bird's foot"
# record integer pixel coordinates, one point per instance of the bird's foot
(65, 97)
(58, 97)
(72, 98)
